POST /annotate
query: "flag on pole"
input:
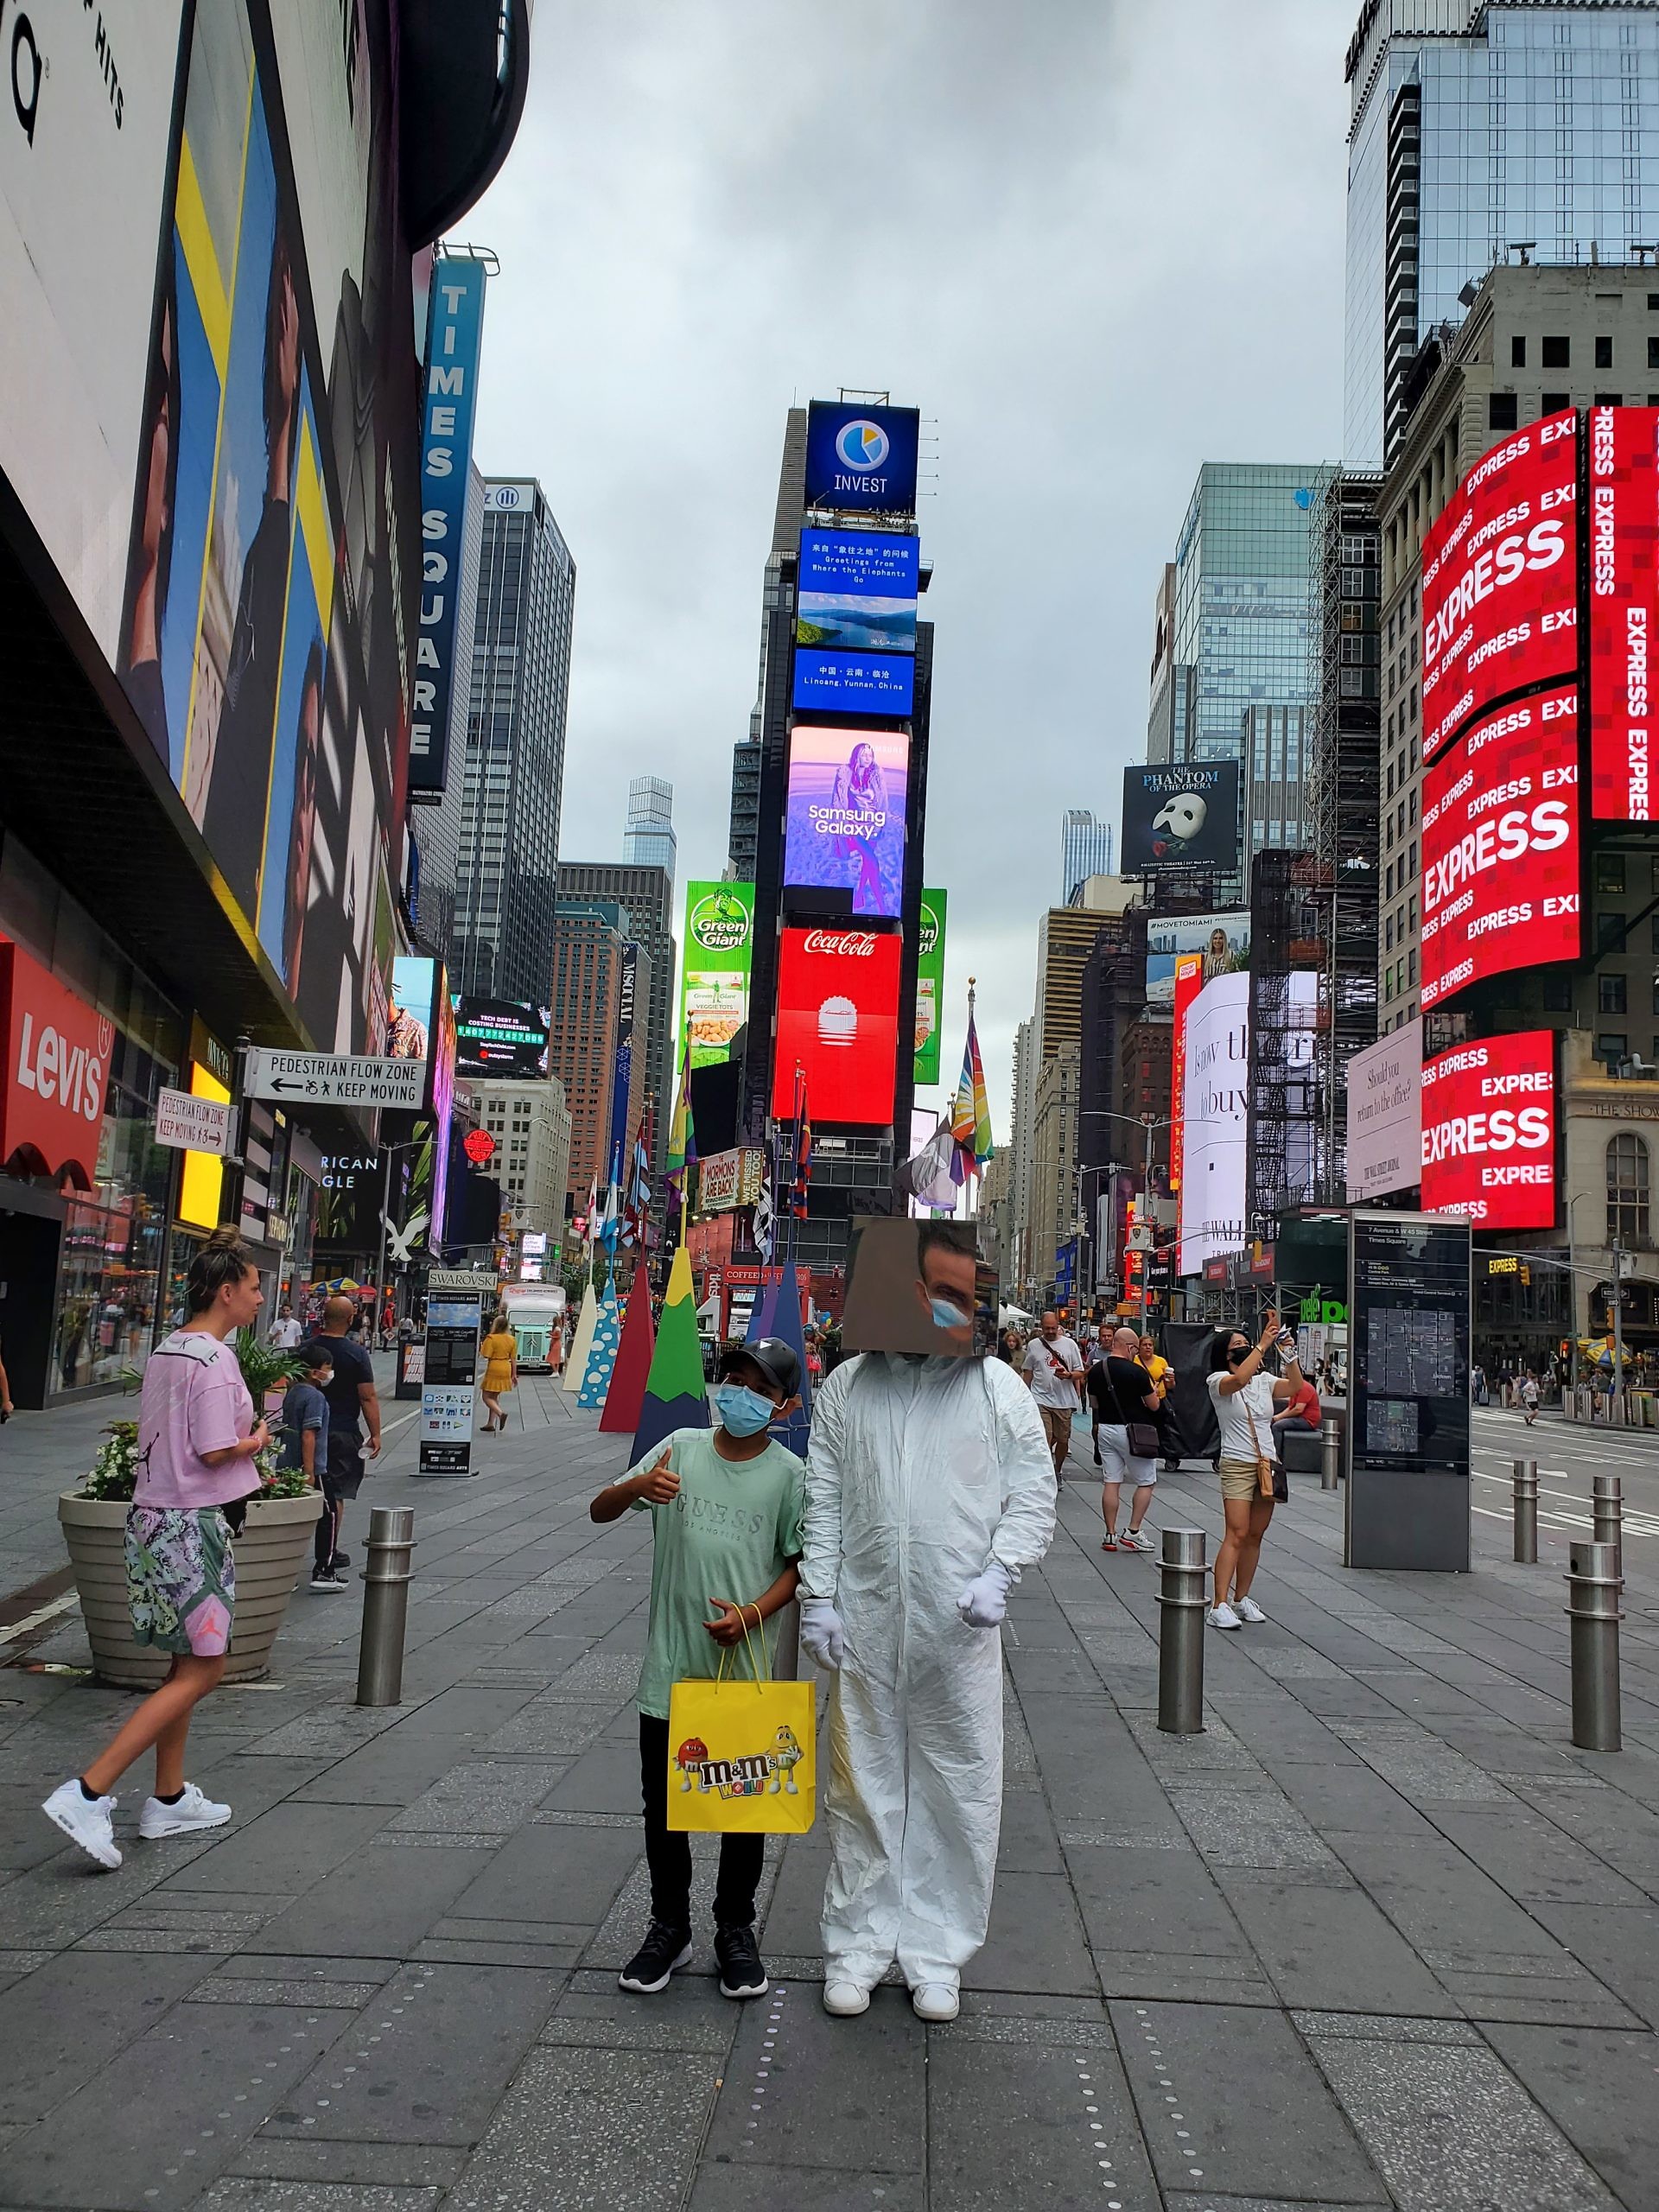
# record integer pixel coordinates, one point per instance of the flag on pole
(803, 1152)
(763, 1220)
(590, 1221)
(970, 1110)
(610, 1223)
(681, 1133)
(637, 1209)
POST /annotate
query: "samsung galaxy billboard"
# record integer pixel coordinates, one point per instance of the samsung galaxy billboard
(846, 816)
(862, 459)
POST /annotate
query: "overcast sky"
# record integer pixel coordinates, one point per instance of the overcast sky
(1095, 244)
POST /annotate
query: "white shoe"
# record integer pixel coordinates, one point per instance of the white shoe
(1134, 1539)
(1223, 1616)
(192, 1812)
(1248, 1610)
(88, 1822)
(935, 2001)
(845, 1999)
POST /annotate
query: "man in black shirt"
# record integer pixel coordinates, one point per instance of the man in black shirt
(352, 1398)
(1121, 1391)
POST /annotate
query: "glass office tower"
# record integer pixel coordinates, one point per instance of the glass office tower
(1085, 849)
(1477, 133)
(649, 840)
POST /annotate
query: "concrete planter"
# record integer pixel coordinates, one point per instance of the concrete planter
(269, 1553)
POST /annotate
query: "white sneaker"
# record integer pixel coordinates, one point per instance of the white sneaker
(88, 1822)
(1248, 1610)
(845, 1999)
(935, 2001)
(1134, 1539)
(192, 1812)
(1223, 1616)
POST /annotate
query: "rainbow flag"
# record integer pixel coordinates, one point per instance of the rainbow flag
(970, 1111)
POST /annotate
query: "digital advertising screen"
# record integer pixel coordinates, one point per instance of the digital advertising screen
(500, 1037)
(1214, 1107)
(1489, 1131)
(1385, 1114)
(1185, 817)
(838, 1021)
(1500, 886)
(715, 969)
(930, 984)
(860, 459)
(1622, 524)
(1222, 941)
(852, 683)
(845, 820)
(856, 591)
(1500, 579)
(1189, 981)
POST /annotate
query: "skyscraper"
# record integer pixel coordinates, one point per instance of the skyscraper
(1086, 849)
(646, 891)
(649, 840)
(591, 941)
(501, 940)
(1475, 131)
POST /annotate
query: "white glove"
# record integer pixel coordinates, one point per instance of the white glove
(823, 1636)
(984, 1603)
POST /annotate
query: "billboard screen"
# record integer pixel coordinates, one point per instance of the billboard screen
(1189, 981)
(1501, 846)
(861, 459)
(852, 683)
(1213, 1111)
(856, 591)
(1222, 941)
(838, 1020)
(455, 337)
(1385, 1114)
(422, 1025)
(1489, 1132)
(1500, 579)
(715, 969)
(501, 1039)
(846, 815)
(622, 1066)
(930, 985)
(1185, 817)
(1623, 531)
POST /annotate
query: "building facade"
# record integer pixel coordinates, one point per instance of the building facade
(649, 840)
(1085, 850)
(1274, 763)
(644, 891)
(531, 1123)
(591, 940)
(502, 939)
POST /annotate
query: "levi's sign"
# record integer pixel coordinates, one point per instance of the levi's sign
(337, 1079)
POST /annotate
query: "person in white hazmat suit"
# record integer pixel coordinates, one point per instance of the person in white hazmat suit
(929, 1485)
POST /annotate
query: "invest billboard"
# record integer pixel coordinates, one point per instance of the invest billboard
(838, 1022)
(862, 459)
(1489, 1132)
(1500, 579)
(1500, 888)
(1623, 532)
(1185, 817)
(845, 819)
(715, 969)
(930, 985)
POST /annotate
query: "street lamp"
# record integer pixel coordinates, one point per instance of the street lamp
(1146, 1123)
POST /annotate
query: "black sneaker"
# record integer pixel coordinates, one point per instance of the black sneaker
(324, 1578)
(664, 1951)
(742, 1972)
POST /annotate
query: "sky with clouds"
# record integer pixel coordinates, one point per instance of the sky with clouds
(1095, 244)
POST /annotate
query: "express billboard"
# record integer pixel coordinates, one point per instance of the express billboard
(861, 459)
(1214, 1111)
(1500, 886)
(838, 1022)
(1489, 1131)
(501, 1039)
(930, 984)
(1500, 579)
(1185, 817)
(1624, 531)
(714, 969)
(845, 819)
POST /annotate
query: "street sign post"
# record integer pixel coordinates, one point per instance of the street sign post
(336, 1079)
(191, 1124)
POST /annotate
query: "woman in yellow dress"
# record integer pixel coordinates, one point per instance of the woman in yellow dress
(500, 1351)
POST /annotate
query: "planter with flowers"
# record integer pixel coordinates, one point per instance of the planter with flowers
(275, 1542)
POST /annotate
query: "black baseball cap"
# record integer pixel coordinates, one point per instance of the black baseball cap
(772, 1356)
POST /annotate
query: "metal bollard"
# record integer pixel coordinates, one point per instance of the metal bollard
(1526, 1512)
(1593, 1587)
(1607, 1510)
(1181, 1633)
(1330, 1453)
(386, 1605)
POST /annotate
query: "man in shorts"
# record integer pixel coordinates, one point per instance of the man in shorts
(353, 1400)
(1054, 1371)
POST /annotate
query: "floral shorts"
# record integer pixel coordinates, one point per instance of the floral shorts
(181, 1579)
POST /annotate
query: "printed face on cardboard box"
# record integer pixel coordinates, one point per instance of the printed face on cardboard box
(919, 1286)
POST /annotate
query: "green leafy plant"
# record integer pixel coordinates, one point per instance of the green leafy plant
(265, 1368)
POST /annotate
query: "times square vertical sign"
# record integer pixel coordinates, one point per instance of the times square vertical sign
(454, 340)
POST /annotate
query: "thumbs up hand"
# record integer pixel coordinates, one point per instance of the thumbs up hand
(659, 1485)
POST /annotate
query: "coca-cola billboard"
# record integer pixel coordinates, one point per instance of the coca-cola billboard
(1489, 1131)
(1500, 579)
(1624, 527)
(838, 1022)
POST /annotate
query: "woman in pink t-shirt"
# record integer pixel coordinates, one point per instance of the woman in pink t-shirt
(197, 1438)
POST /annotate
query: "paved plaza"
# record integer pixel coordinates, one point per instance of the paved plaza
(1378, 1937)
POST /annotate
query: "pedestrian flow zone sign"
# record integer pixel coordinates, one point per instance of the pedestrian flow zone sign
(337, 1079)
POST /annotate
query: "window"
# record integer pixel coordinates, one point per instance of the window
(1502, 411)
(1517, 353)
(1557, 352)
(1558, 994)
(1604, 353)
(1627, 1190)
(1653, 352)
(1610, 400)
(1612, 1044)
(1610, 932)
(1610, 870)
(1556, 403)
(1609, 995)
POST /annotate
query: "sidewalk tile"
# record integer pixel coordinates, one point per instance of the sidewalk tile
(548, 1874)
(267, 1852)
(372, 2166)
(63, 2024)
(1030, 2125)
(801, 2188)
(691, 2014)
(1036, 1940)
(232, 2193)
(815, 2089)
(1602, 2091)
(380, 1901)
(1619, 1945)
(1331, 1947)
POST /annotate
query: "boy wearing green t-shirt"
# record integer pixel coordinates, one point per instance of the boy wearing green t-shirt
(727, 1505)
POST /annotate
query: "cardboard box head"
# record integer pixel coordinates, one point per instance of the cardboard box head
(919, 1286)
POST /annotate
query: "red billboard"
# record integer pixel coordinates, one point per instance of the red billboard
(1624, 527)
(838, 1021)
(1500, 886)
(1489, 1132)
(55, 1074)
(1189, 981)
(1500, 579)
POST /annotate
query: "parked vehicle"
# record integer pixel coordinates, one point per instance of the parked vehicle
(535, 1313)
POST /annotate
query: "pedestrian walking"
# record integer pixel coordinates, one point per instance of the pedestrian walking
(198, 1435)
(726, 1506)
(1528, 1397)
(302, 1434)
(353, 1400)
(1124, 1399)
(1054, 1373)
(500, 1351)
(1478, 1381)
(286, 1332)
(1244, 1396)
(928, 1490)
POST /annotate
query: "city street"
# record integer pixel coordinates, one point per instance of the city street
(1378, 1936)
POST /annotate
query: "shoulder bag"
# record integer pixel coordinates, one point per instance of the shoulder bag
(1271, 1480)
(1141, 1436)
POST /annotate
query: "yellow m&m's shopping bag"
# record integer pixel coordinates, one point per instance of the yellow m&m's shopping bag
(740, 1753)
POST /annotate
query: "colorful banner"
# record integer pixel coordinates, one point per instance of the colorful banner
(622, 1073)
(455, 337)
(930, 985)
(714, 969)
(1189, 981)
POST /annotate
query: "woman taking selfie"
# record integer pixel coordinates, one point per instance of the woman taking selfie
(1244, 1396)
(197, 1438)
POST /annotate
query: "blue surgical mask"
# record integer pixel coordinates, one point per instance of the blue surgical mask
(947, 1316)
(740, 1411)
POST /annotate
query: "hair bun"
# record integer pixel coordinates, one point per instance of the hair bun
(225, 1238)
